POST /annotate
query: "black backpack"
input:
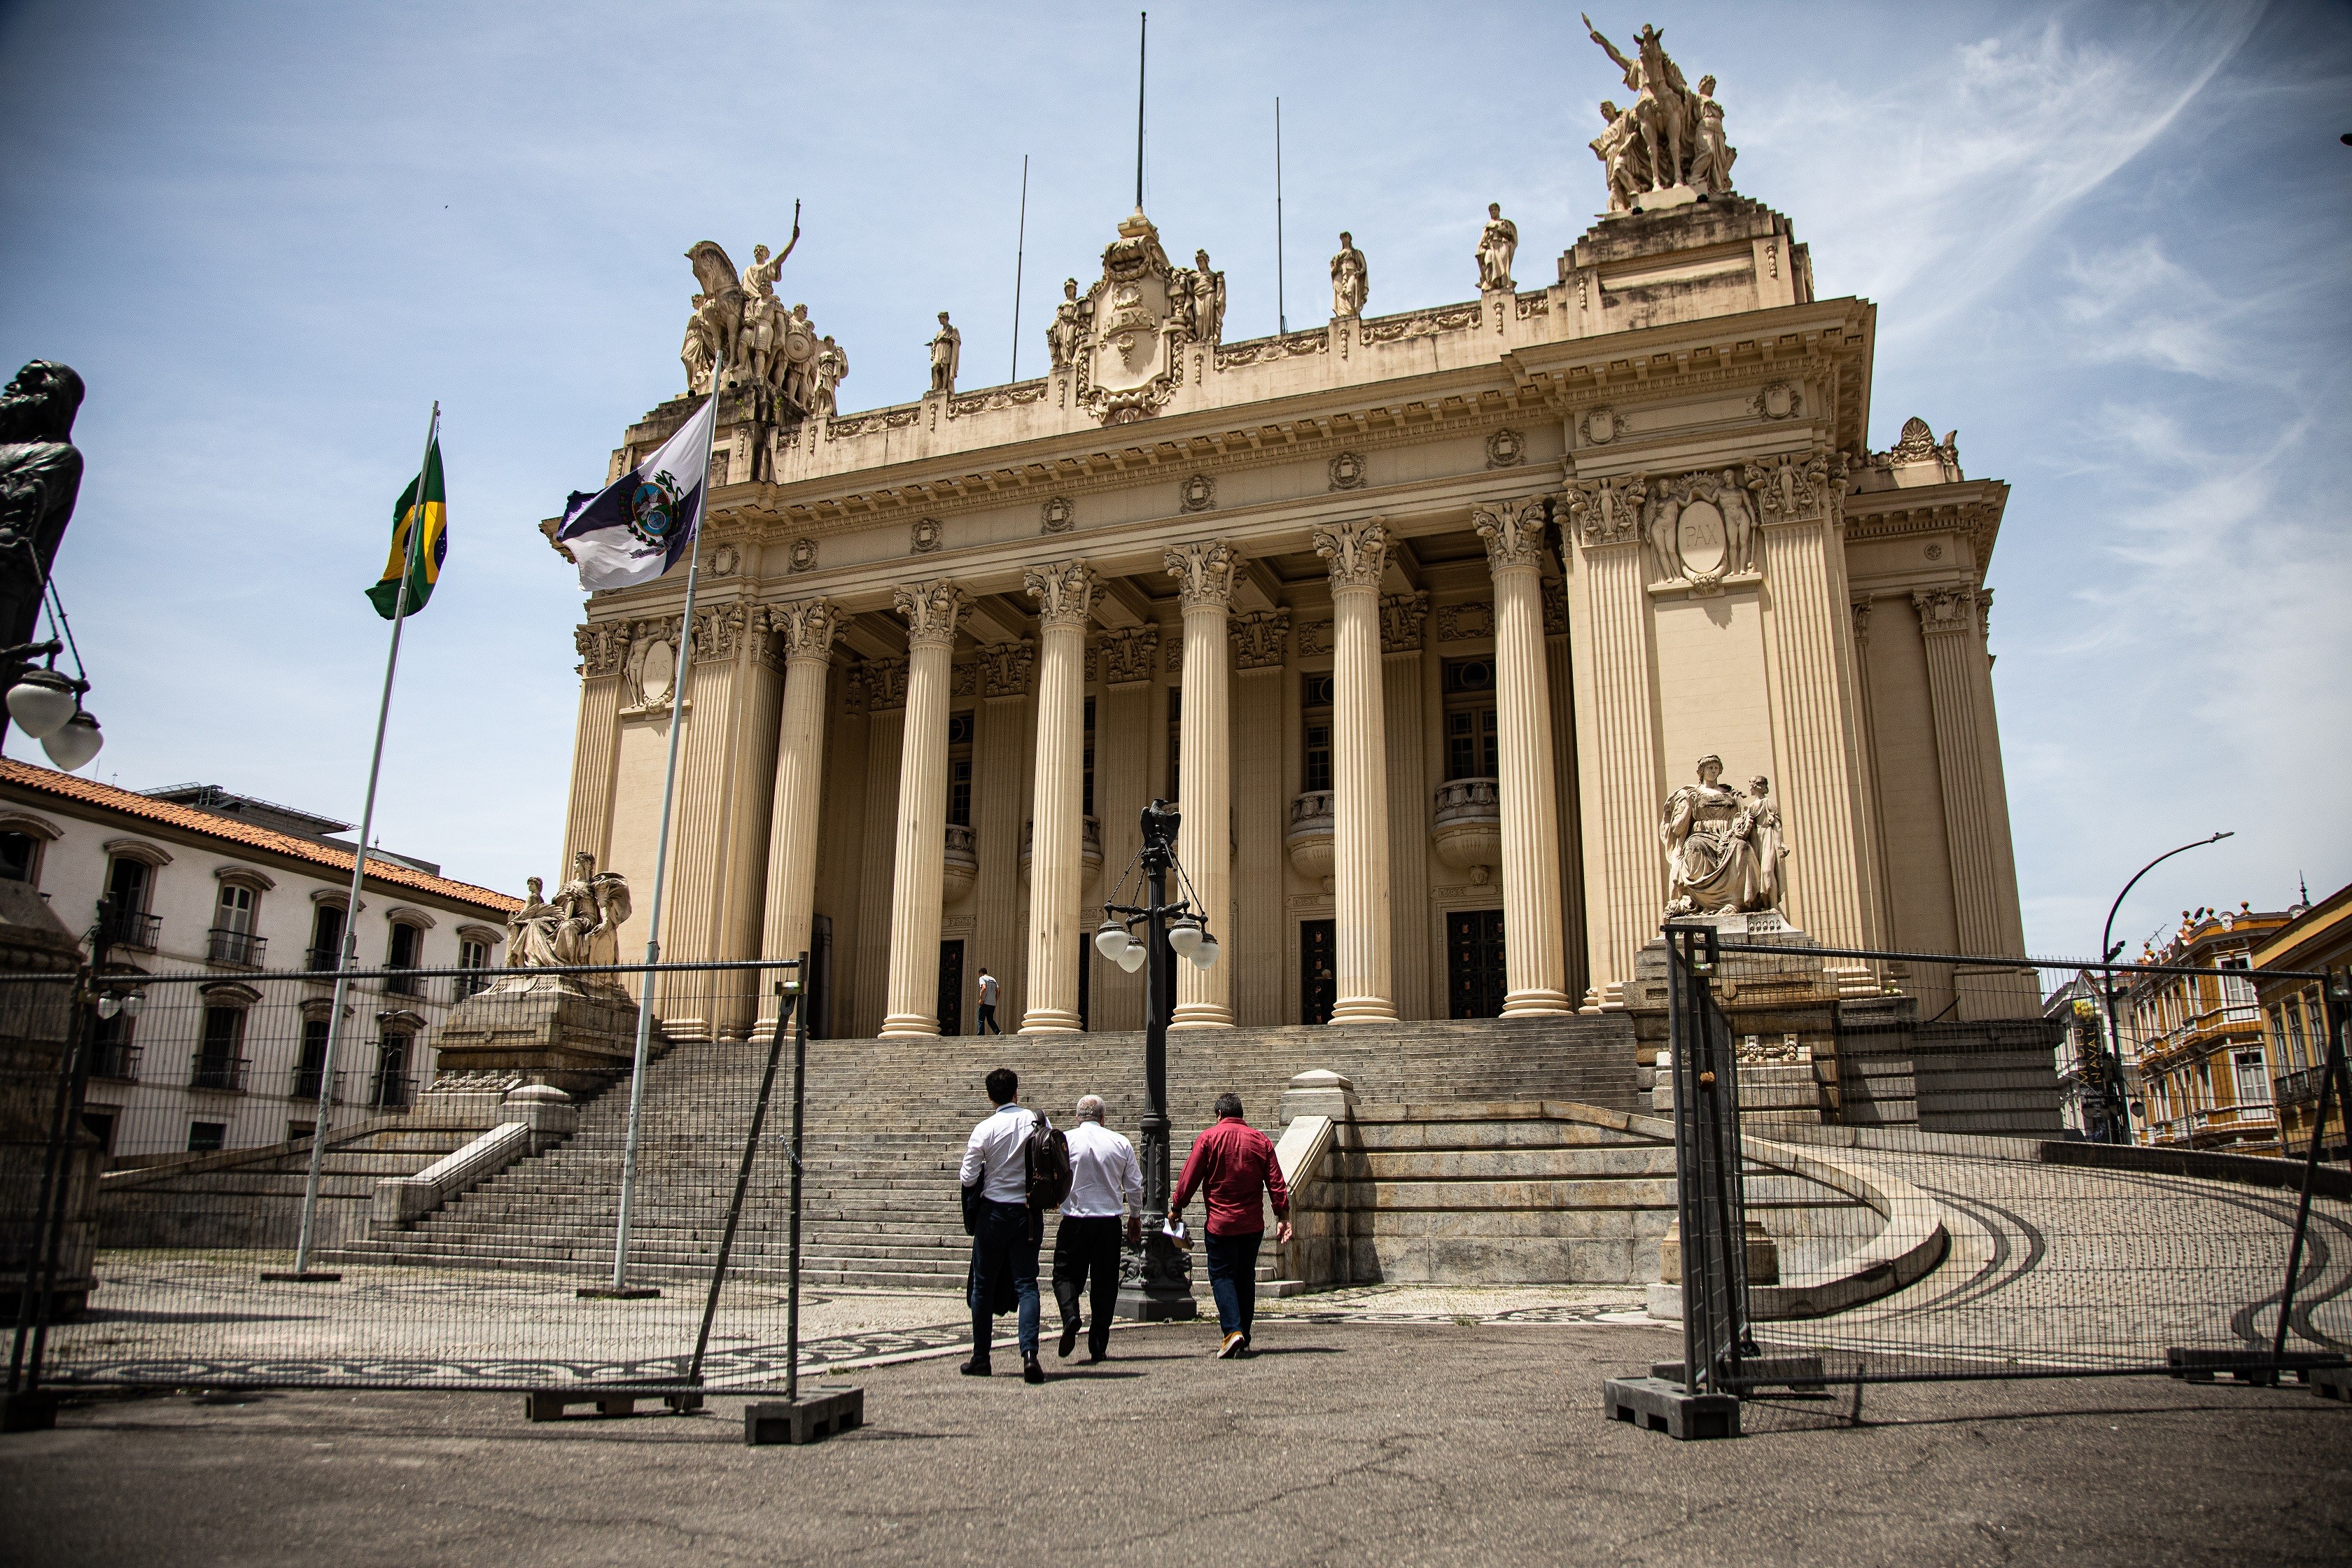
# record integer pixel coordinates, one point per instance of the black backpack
(1046, 1156)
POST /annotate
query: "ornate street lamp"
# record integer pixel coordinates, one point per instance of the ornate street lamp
(1158, 1279)
(2119, 1126)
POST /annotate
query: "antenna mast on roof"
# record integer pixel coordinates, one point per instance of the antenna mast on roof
(1142, 46)
(1281, 313)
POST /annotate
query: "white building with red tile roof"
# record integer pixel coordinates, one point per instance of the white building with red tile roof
(232, 891)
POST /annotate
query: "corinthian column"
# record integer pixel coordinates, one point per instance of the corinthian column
(804, 628)
(1360, 790)
(1534, 951)
(911, 1004)
(1064, 593)
(1204, 573)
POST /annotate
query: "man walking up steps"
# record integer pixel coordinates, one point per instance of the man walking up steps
(1230, 1164)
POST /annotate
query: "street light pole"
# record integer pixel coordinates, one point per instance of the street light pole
(2107, 980)
(1157, 1283)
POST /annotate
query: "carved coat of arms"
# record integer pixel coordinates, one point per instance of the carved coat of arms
(1135, 319)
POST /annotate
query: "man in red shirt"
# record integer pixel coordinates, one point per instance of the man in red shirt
(1230, 1164)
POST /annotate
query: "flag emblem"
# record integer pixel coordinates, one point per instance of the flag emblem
(421, 509)
(653, 509)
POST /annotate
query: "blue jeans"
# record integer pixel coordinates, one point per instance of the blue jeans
(1004, 1245)
(1233, 1279)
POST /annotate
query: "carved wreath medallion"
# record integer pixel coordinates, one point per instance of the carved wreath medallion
(1347, 471)
(1058, 515)
(927, 535)
(1505, 449)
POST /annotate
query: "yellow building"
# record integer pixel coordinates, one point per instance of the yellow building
(2294, 1015)
(2205, 1079)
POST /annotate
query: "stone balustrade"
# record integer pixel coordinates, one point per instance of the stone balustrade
(1310, 838)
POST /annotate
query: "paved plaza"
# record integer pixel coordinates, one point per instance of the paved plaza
(1467, 1435)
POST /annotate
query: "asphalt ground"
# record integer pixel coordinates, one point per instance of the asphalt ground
(1441, 1443)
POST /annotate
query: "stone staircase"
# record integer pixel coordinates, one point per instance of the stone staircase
(886, 1124)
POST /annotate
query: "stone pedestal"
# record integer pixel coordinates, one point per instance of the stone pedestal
(1783, 1017)
(581, 1036)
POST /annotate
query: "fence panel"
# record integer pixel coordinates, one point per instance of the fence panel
(467, 1193)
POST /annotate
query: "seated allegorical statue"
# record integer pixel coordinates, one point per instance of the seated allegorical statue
(1723, 848)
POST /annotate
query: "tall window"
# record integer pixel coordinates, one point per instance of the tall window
(312, 1064)
(959, 768)
(405, 940)
(2295, 1055)
(1315, 722)
(1175, 743)
(128, 884)
(473, 955)
(325, 938)
(1472, 749)
(2253, 1084)
(220, 1060)
(390, 1089)
(1087, 809)
(233, 941)
(20, 857)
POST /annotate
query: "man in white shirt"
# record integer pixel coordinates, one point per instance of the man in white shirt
(1004, 1241)
(988, 990)
(1106, 1185)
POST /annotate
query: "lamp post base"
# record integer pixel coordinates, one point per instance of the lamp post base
(1155, 1282)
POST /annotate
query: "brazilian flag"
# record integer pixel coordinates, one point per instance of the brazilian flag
(433, 516)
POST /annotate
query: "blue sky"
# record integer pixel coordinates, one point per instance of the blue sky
(2107, 243)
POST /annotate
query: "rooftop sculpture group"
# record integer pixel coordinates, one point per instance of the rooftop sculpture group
(1672, 137)
(738, 318)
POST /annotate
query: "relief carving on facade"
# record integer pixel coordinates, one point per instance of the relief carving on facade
(1794, 485)
(1205, 570)
(649, 668)
(1465, 623)
(1315, 639)
(1357, 553)
(1130, 653)
(719, 632)
(1346, 471)
(1723, 848)
(1258, 639)
(932, 610)
(1862, 621)
(1514, 533)
(1781, 400)
(1059, 514)
(885, 684)
(1606, 511)
(1065, 592)
(1131, 324)
(1198, 493)
(1598, 427)
(963, 679)
(1701, 528)
(1403, 618)
(1422, 325)
(1555, 607)
(604, 646)
(804, 628)
(802, 556)
(926, 537)
(1005, 667)
(1505, 449)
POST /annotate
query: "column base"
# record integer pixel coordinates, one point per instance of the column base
(1541, 1002)
(1049, 1020)
(907, 1026)
(1201, 1015)
(1363, 1010)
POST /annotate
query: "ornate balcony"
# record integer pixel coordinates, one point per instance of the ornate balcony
(234, 949)
(1308, 841)
(960, 868)
(1091, 857)
(118, 1062)
(131, 928)
(223, 1074)
(1466, 829)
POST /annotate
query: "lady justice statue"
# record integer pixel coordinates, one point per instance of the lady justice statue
(1723, 848)
(580, 926)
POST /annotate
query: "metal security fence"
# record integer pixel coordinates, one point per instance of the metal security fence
(1868, 1196)
(492, 1198)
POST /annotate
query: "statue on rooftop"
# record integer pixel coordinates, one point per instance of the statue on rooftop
(1208, 300)
(736, 316)
(1497, 243)
(947, 349)
(1671, 138)
(1351, 280)
(1067, 327)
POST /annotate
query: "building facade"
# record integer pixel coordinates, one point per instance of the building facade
(198, 880)
(2294, 1017)
(1419, 617)
(2204, 1074)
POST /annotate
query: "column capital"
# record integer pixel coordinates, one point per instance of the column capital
(1514, 533)
(1862, 607)
(885, 684)
(1605, 511)
(932, 610)
(1005, 667)
(1205, 570)
(1943, 610)
(602, 646)
(1358, 552)
(1065, 592)
(805, 627)
(1796, 487)
(1129, 654)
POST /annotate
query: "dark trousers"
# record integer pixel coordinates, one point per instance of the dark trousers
(1233, 1279)
(1083, 1247)
(1004, 1246)
(987, 1019)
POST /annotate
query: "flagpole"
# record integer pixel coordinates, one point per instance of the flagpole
(350, 957)
(661, 868)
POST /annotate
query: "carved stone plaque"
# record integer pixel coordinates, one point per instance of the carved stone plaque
(1700, 540)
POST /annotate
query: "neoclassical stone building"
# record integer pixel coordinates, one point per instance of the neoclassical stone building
(1418, 616)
